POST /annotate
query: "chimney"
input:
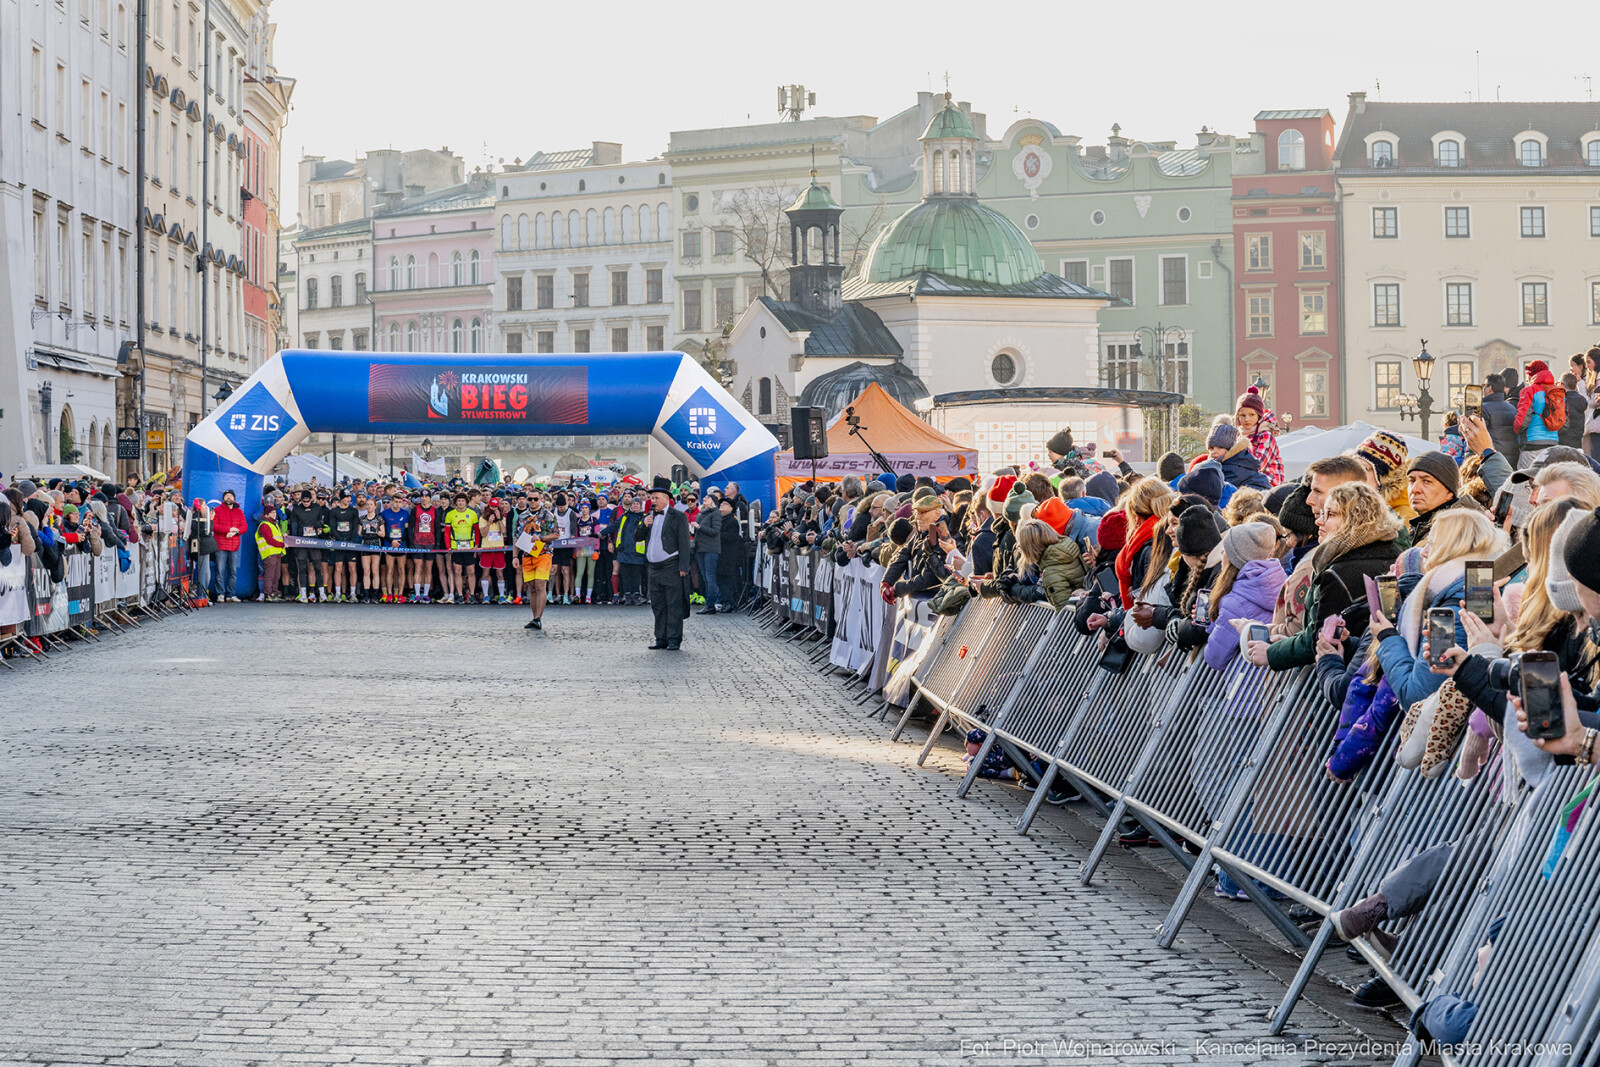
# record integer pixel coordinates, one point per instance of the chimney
(1358, 103)
(605, 153)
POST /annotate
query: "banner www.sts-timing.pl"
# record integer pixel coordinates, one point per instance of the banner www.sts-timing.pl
(300, 392)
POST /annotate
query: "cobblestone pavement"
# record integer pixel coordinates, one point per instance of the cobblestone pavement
(384, 835)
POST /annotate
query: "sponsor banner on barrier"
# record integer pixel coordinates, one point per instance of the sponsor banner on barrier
(15, 608)
(104, 569)
(80, 588)
(591, 544)
(127, 581)
(453, 394)
(47, 603)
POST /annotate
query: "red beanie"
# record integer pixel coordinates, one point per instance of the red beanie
(1251, 398)
(1002, 488)
(1113, 531)
(1536, 368)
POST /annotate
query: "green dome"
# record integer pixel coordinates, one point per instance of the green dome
(814, 198)
(956, 237)
(949, 122)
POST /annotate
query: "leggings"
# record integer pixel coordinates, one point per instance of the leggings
(583, 573)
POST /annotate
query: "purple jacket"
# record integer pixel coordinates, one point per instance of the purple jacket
(1254, 593)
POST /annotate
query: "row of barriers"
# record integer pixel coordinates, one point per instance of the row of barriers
(94, 594)
(1226, 770)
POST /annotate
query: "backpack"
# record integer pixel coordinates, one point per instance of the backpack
(1555, 407)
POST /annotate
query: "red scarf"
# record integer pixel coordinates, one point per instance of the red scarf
(1124, 565)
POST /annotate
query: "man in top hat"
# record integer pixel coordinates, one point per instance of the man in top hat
(667, 548)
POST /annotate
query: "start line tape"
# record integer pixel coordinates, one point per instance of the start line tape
(591, 544)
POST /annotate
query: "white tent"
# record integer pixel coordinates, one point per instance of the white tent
(351, 467)
(43, 472)
(305, 468)
(1300, 452)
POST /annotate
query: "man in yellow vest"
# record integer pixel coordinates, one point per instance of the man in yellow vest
(269, 546)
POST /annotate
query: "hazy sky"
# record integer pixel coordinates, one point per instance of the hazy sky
(499, 79)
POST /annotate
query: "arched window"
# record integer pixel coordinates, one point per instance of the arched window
(663, 223)
(1449, 153)
(411, 336)
(1591, 153)
(311, 294)
(458, 274)
(1531, 153)
(938, 172)
(433, 276)
(475, 267)
(1383, 153)
(394, 272)
(591, 227)
(574, 229)
(505, 233)
(608, 230)
(477, 335)
(541, 237)
(456, 337)
(764, 405)
(411, 272)
(1291, 150)
(394, 337)
(336, 291)
(627, 224)
(522, 231)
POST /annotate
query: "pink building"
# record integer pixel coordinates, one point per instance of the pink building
(433, 270)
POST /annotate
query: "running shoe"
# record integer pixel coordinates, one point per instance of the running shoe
(301, 598)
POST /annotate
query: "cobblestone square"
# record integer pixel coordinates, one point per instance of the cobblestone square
(375, 835)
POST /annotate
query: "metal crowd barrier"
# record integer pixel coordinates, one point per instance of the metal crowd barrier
(945, 663)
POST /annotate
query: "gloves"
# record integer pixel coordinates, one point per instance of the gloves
(886, 591)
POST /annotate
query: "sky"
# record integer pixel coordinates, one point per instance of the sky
(499, 79)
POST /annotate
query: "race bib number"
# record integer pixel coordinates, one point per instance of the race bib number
(396, 532)
(310, 531)
(494, 539)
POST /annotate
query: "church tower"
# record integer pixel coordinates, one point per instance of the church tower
(949, 154)
(815, 273)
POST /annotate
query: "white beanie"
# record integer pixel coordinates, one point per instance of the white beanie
(1559, 585)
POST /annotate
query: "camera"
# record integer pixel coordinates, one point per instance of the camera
(1506, 673)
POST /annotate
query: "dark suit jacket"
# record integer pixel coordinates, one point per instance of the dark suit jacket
(675, 537)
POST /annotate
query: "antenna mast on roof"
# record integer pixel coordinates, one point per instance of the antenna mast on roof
(793, 101)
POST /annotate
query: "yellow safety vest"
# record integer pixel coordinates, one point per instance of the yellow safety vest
(265, 550)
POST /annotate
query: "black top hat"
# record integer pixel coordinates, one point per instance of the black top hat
(661, 485)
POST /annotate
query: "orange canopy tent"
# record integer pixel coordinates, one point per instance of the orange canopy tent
(910, 445)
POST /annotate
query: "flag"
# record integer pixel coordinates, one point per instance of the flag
(422, 466)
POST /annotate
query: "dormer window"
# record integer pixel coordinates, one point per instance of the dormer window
(1291, 150)
(1383, 153)
(1449, 153)
(1530, 153)
(1591, 153)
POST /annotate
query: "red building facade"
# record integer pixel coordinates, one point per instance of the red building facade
(256, 248)
(1286, 293)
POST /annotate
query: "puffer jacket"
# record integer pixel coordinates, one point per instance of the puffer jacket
(918, 568)
(1334, 588)
(1059, 575)
(1252, 596)
(1538, 396)
(1242, 470)
(1400, 649)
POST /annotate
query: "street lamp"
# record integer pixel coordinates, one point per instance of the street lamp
(1420, 407)
(1159, 336)
(223, 393)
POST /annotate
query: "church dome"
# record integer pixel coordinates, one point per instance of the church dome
(837, 388)
(957, 237)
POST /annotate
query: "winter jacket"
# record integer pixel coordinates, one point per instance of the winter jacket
(1571, 432)
(1500, 417)
(1058, 575)
(1334, 673)
(1453, 445)
(1082, 527)
(225, 518)
(1264, 446)
(983, 547)
(1400, 648)
(1566, 640)
(1242, 470)
(918, 569)
(1252, 596)
(1090, 505)
(1335, 587)
(1423, 523)
(1369, 709)
(708, 533)
(1539, 395)
(199, 529)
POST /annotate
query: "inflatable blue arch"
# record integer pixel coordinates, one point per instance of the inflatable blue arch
(298, 392)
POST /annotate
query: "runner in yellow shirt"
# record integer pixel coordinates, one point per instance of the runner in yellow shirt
(461, 524)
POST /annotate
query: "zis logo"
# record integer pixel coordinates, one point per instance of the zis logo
(241, 421)
(702, 421)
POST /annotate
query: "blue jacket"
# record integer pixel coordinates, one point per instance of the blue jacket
(1407, 674)
(1242, 470)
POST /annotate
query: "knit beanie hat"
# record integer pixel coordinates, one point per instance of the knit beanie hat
(1200, 530)
(1536, 368)
(1251, 398)
(1102, 485)
(958, 485)
(1280, 493)
(1295, 513)
(1060, 442)
(1440, 467)
(1169, 466)
(1205, 480)
(1112, 533)
(1013, 507)
(900, 531)
(1223, 435)
(1385, 451)
(1054, 513)
(996, 500)
(1185, 501)
(1248, 541)
(1558, 583)
(905, 483)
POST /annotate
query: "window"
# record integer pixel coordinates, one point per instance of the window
(1291, 150)
(394, 337)
(411, 272)
(1120, 369)
(1076, 271)
(691, 309)
(86, 115)
(311, 340)
(619, 291)
(580, 290)
(723, 300)
(1449, 153)
(655, 338)
(1313, 250)
(545, 290)
(1458, 304)
(311, 294)
(1458, 375)
(41, 259)
(475, 267)
(361, 288)
(1457, 222)
(764, 396)
(1313, 311)
(619, 339)
(336, 341)
(1385, 222)
(1535, 304)
(477, 335)
(513, 292)
(360, 337)
(1383, 153)
(1386, 304)
(458, 270)
(1591, 153)
(1594, 303)
(61, 106)
(722, 242)
(411, 336)
(1594, 218)
(1177, 368)
(458, 332)
(1259, 319)
(1120, 272)
(1174, 280)
(513, 342)
(580, 340)
(1314, 394)
(1386, 385)
(1259, 255)
(652, 286)
(1003, 368)
(394, 272)
(1530, 153)
(336, 291)
(691, 244)
(1533, 222)
(547, 341)
(1097, 217)
(38, 86)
